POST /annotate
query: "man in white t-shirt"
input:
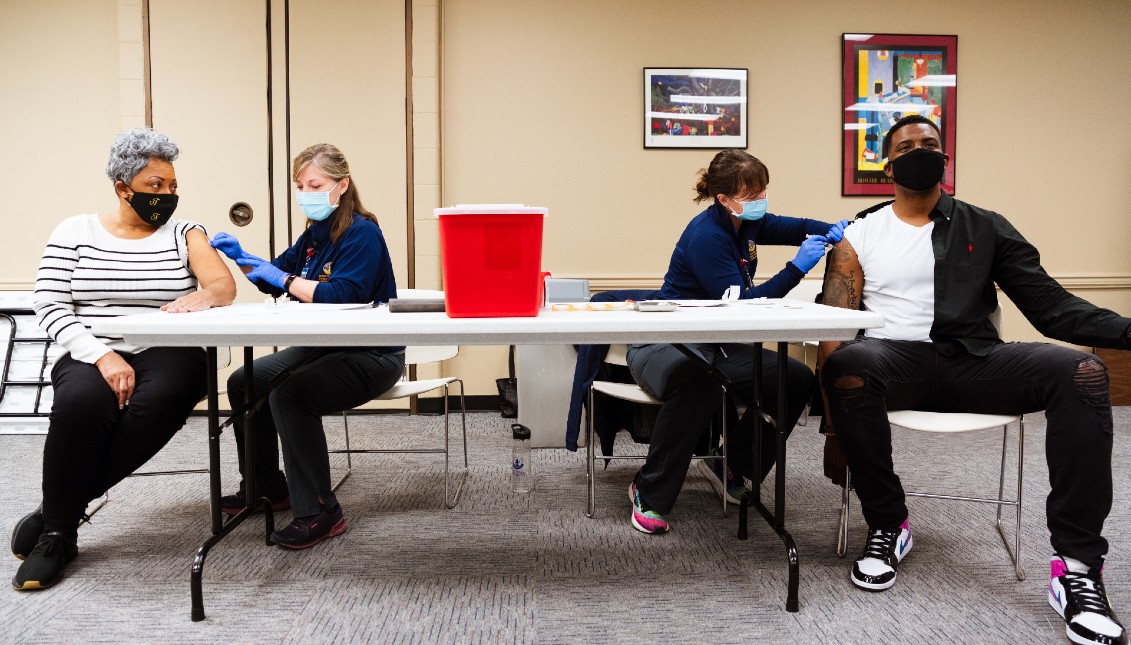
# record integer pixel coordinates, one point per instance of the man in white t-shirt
(929, 264)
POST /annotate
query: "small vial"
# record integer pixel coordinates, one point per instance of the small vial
(522, 479)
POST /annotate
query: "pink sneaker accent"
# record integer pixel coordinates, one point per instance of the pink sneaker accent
(644, 519)
(1057, 568)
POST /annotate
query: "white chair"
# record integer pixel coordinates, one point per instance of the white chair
(633, 393)
(956, 423)
(410, 387)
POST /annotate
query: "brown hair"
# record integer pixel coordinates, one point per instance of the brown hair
(732, 172)
(330, 161)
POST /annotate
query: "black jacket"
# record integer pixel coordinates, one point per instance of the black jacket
(589, 367)
(976, 248)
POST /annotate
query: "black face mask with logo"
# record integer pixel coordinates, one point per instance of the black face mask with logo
(919, 169)
(154, 208)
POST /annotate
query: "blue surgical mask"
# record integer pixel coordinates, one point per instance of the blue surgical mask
(754, 210)
(316, 206)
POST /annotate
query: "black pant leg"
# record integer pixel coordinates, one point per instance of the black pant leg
(330, 384)
(84, 413)
(799, 382)
(862, 380)
(169, 382)
(269, 478)
(1072, 388)
(691, 398)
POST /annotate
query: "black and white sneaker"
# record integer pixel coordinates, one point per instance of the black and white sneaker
(1077, 594)
(875, 570)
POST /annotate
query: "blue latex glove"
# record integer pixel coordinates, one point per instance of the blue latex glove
(229, 246)
(836, 233)
(810, 253)
(263, 270)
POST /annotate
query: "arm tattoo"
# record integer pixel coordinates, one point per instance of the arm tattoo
(840, 282)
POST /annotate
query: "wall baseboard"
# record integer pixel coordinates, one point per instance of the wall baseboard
(475, 403)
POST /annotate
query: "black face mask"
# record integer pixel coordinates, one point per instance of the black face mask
(920, 169)
(154, 208)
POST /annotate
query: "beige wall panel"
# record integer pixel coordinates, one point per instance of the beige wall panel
(348, 89)
(209, 94)
(59, 113)
(209, 61)
(542, 105)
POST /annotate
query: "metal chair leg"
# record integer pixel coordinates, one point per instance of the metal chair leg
(349, 455)
(450, 496)
(102, 501)
(803, 420)
(845, 507)
(451, 501)
(447, 446)
(1018, 571)
(723, 443)
(1013, 550)
(590, 433)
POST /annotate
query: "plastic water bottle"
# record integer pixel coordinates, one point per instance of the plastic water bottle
(522, 480)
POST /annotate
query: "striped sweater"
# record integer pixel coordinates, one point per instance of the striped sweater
(86, 273)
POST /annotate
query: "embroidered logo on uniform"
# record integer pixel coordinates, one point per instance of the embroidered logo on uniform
(325, 275)
(752, 250)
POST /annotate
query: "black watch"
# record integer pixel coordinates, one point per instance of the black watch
(288, 281)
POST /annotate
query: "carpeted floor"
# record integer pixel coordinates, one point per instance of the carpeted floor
(507, 568)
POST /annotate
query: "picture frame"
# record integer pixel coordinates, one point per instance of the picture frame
(886, 77)
(688, 107)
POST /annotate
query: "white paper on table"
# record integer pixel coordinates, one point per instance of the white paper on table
(269, 309)
(777, 303)
(700, 303)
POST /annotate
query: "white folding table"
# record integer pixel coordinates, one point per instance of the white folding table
(310, 325)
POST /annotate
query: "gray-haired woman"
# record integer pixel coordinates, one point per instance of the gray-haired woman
(115, 404)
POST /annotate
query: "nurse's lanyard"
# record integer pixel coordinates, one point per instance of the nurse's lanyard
(747, 281)
(306, 265)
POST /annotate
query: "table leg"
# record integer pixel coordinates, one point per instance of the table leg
(214, 444)
(776, 520)
(220, 531)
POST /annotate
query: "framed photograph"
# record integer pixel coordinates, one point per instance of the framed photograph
(694, 108)
(886, 77)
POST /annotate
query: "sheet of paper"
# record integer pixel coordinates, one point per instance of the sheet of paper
(700, 303)
(269, 309)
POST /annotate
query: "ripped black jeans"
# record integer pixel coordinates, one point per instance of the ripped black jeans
(865, 378)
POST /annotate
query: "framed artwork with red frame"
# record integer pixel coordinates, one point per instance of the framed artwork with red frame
(886, 77)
